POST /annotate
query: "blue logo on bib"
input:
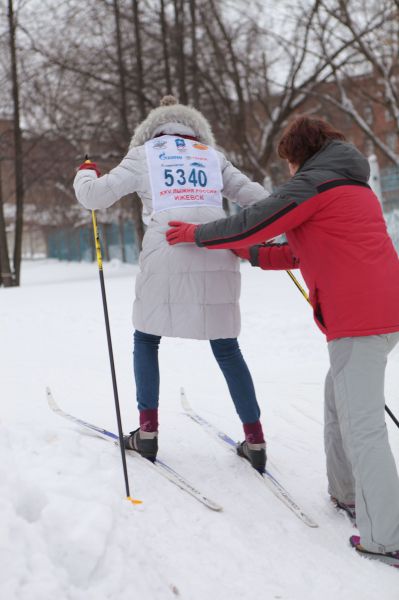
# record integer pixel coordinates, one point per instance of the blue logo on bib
(164, 156)
(180, 144)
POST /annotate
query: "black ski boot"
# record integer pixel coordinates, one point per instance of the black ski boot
(255, 453)
(143, 442)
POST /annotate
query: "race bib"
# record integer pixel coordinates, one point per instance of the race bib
(183, 173)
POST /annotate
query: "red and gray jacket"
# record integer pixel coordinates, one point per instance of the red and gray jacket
(336, 234)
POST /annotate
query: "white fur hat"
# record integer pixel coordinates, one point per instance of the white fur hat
(173, 118)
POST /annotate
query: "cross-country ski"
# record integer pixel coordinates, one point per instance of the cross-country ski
(159, 466)
(266, 477)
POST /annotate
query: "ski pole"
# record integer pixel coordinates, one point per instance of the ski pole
(111, 354)
(394, 419)
(298, 285)
(306, 296)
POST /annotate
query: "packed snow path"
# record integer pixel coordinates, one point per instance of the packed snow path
(67, 532)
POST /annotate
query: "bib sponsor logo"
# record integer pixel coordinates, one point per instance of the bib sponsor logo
(164, 156)
(200, 159)
(180, 144)
(199, 146)
(159, 144)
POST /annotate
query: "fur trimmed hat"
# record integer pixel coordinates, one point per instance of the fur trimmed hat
(174, 119)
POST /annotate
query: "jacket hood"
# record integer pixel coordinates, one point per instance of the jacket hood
(159, 120)
(341, 157)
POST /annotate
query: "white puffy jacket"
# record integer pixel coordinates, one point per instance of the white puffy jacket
(181, 291)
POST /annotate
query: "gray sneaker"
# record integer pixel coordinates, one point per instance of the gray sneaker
(389, 558)
(254, 453)
(143, 442)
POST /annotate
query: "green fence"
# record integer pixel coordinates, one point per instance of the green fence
(77, 244)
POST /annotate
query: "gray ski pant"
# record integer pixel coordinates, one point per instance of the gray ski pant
(360, 465)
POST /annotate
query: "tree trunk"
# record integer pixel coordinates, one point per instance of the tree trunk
(139, 60)
(19, 185)
(6, 278)
(124, 127)
(180, 58)
(194, 52)
(166, 61)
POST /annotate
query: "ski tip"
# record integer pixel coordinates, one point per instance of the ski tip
(134, 500)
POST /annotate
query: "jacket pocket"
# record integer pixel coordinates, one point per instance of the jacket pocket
(317, 312)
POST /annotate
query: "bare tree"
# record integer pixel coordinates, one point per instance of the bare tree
(125, 130)
(139, 59)
(248, 76)
(367, 81)
(6, 277)
(194, 65)
(180, 36)
(165, 48)
(123, 120)
(242, 75)
(18, 163)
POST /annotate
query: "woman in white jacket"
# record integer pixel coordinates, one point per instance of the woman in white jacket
(181, 291)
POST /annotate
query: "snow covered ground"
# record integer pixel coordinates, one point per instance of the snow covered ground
(66, 530)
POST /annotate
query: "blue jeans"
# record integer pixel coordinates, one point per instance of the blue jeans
(230, 360)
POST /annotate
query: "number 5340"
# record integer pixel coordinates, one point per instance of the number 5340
(196, 177)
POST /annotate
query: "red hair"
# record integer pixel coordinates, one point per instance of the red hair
(305, 136)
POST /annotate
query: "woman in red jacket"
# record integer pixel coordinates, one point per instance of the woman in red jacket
(337, 236)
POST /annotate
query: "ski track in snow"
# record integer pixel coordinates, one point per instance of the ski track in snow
(66, 529)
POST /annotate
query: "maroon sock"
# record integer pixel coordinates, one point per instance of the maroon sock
(149, 419)
(254, 433)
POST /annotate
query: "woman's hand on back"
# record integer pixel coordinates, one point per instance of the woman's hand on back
(181, 233)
